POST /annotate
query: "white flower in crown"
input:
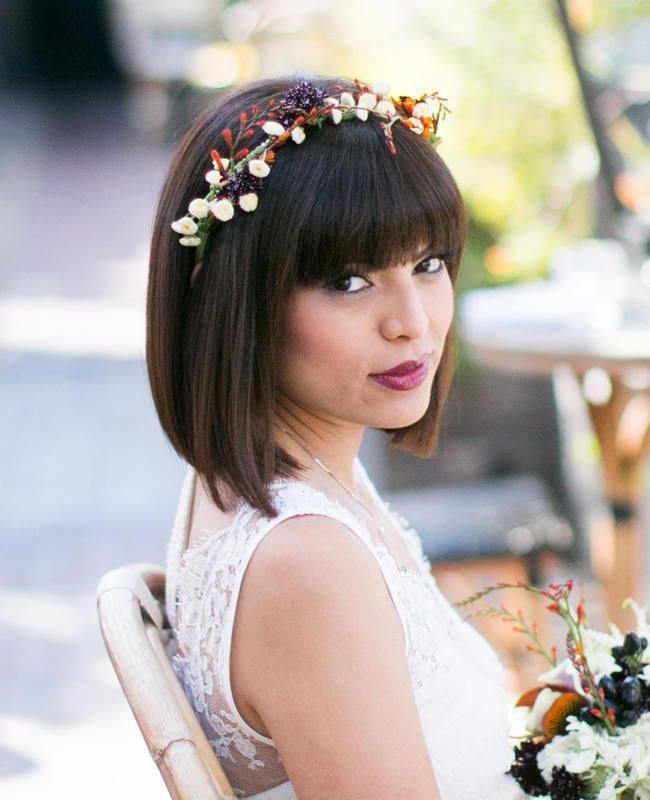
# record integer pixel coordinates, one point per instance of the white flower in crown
(421, 110)
(385, 107)
(362, 113)
(336, 115)
(382, 88)
(432, 102)
(199, 208)
(346, 99)
(367, 100)
(416, 125)
(214, 177)
(222, 209)
(331, 101)
(298, 134)
(273, 128)
(190, 241)
(186, 226)
(258, 168)
(224, 162)
(248, 201)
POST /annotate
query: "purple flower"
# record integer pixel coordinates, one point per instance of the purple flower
(298, 100)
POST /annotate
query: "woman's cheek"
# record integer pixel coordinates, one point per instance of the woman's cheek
(323, 351)
(317, 331)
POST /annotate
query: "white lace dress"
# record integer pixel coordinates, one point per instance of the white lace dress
(455, 674)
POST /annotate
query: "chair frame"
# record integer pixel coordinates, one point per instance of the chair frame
(131, 610)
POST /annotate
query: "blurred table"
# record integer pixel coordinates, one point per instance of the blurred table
(531, 329)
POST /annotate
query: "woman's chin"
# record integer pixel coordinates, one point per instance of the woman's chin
(401, 418)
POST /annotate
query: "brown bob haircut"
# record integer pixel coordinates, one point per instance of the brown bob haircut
(212, 346)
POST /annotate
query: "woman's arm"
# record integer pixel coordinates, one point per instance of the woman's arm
(319, 656)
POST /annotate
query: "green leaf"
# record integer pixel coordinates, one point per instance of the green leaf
(594, 782)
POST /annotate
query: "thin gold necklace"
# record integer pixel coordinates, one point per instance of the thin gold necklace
(380, 525)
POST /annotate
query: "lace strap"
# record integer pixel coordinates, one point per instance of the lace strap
(177, 541)
(213, 575)
(412, 540)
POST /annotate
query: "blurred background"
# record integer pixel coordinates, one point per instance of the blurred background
(545, 442)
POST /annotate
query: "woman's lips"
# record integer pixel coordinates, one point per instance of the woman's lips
(404, 376)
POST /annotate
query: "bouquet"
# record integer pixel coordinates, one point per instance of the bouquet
(588, 725)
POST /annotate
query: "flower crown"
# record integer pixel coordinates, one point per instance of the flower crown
(236, 180)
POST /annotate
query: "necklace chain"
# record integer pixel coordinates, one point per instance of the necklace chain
(380, 525)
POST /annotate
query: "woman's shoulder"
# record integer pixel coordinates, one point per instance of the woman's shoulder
(314, 614)
(308, 579)
(311, 543)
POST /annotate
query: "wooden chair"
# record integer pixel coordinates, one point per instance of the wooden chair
(131, 610)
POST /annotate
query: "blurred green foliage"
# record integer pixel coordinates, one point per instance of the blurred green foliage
(518, 140)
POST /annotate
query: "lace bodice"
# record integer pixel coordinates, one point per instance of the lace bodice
(455, 675)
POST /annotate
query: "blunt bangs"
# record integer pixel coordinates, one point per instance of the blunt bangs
(340, 202)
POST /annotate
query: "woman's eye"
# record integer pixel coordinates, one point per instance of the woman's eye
(348, 284)
(433, 264)
(353, 284)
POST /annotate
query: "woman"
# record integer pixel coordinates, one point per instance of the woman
(313, 642)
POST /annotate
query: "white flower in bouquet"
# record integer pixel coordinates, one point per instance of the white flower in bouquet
(635, 744)
(609, 764)
(543, 702)
(642, 790)
(574, 752)
(598, 652)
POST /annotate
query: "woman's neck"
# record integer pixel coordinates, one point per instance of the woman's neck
(336, 445)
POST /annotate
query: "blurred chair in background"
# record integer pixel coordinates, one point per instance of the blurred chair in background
(486, 531)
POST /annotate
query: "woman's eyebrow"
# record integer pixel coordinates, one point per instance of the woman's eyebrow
(428, 249)
(425, 250)
(435, 250)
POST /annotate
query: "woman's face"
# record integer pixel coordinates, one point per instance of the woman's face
(338, 338)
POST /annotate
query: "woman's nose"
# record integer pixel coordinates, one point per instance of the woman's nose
(405, 313)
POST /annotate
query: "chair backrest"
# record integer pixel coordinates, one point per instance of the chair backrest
(131, 610)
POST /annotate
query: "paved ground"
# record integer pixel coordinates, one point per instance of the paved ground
(78, 434)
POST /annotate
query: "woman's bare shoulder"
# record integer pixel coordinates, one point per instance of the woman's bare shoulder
(308, 543)
(324, 665)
